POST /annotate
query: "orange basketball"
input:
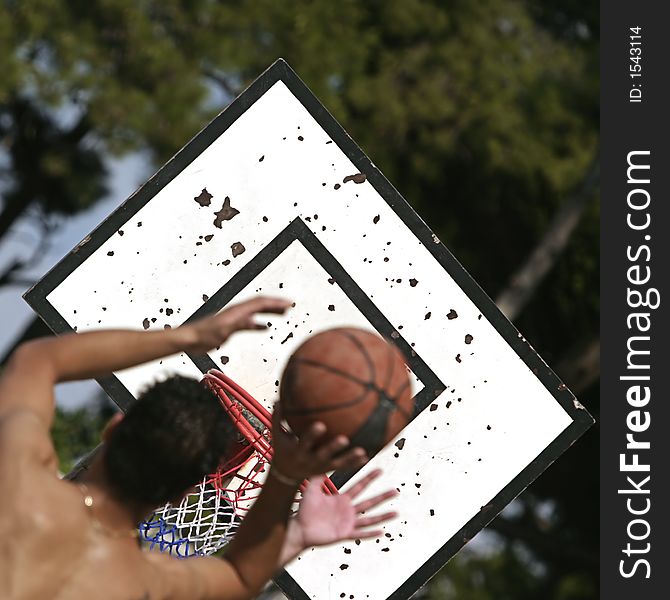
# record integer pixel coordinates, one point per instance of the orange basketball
(351, 380)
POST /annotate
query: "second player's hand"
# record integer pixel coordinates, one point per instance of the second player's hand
(326, 519)
(212, 331)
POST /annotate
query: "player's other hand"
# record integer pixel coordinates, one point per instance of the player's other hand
(325, 519)
(311, 454)
(212, 331)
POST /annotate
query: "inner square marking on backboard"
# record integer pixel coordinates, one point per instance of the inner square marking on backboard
(298, 231)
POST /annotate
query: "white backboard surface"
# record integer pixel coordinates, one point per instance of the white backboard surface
(274, 198)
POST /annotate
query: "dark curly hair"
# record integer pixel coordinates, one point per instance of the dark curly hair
(174, 435)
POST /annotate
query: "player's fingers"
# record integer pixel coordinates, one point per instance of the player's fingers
(352, 459)
(364, 535)
(276, 413)
(267, 304)
(375, 501)
(367, 521)
(363, 483)
(277, 418)
(329, 449)
(309, 438)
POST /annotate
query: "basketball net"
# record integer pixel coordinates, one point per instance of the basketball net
(207, 519)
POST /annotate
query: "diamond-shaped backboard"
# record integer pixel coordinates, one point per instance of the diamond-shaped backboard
(273, 197)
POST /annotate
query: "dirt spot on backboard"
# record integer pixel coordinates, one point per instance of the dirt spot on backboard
(468, 339)
(146, 323)
(237, 248)
(204, 199)
(452, 314)
(400, 444)
(226, 213)
(356, 178)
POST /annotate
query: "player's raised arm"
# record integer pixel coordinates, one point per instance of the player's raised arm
(322, 519)
(37, 365)
(260, 546)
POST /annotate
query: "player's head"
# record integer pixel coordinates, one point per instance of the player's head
(175, 434)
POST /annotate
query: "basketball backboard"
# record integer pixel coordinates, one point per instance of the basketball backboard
(273, 197)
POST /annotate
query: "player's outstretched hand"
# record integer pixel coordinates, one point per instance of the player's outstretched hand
(300, 458)
(214, 330)
(326, 519)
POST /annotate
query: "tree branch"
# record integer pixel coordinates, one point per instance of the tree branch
(580, 367)
(222, 81)
(10, 213)
(547, 546)
(512, 300)
(8, 276)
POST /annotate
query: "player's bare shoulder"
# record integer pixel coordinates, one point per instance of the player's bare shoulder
(24, 440)
(179, 576)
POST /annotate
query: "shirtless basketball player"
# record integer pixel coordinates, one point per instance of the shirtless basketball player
(77, 540)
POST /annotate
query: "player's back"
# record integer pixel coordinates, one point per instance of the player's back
(50, 546)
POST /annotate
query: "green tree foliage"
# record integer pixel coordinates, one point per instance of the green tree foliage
(483, 114)
(74, 434)
(504, 575)
(77, 432)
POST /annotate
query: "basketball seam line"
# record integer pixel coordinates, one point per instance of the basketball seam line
(367, 387)
(371, 365)
(368, 359)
